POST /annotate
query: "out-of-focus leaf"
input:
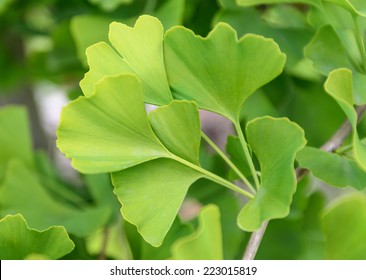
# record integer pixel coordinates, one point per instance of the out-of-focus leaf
(87, 30)
(345, 228)
(219, 72)
(22, 193)
(171, 13)
(110, 5)
(18, 241)
(237, 156)
(290, 39)
(139, 51)
(327, 51)
(340, 86)
(275, 143)
(15, 139)
(117, 246)
(260, 2)
(332, 168)
(206, 242)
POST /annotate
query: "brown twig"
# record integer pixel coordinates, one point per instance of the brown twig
(331, 145)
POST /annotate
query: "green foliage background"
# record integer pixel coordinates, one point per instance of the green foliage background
(279, 95)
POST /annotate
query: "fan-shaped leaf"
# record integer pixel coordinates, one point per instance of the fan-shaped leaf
(109, 130)
(275, 142)
(140, 51)
(178, 128)
(18, 241)
(219, 72)
(206, 242)
(151, 195)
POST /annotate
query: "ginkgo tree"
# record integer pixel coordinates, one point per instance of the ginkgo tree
(285, 74)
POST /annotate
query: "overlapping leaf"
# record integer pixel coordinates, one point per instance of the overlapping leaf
(22, 193)
(140, 51)
(18, 241)
(109, 131)
(346, 242)
(219, 72)
(275, 142)
(332, 168)
(169, 123)
(260, 2)
(340, 86)
(151, 195)
(206, 242)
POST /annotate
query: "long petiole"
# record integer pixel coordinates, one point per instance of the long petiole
(228, 161)
(213, 177)
(247, 154)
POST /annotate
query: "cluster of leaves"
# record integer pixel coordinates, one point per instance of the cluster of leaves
(158, 162)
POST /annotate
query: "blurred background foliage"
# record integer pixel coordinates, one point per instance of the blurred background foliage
(42, 60)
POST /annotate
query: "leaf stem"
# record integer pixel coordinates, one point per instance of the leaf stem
(228, 161)
(331, 145)
(360, 43)
(213, 177)
(247, 154)
(254, 242)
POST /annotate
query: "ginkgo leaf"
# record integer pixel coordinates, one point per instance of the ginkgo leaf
(344, 224)
(139, 51)
(18, 241)
(206, 242)
(356, 7)
(15, 138)
(151, 195)
(332, 168)
(260, 2)
(340, 86)
(109, 130)
(22, 193)
(219, 72)
(177, 126)
(327, 51)
(275, 143)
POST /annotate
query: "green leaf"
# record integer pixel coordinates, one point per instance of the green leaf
(340, 86)
(177, 126)
(333, 169)
(206, 242)
(151, 195)
(87, 30)
(140, 51)
(237, 156)
(275, 143)
(345, 228)
(219, 72)
(15, 138)
(171, 13)
(356, 7)
(109, 130)
(327, 51)
(18, 241)
(22, 193)
(260, 2)
(110, 5)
